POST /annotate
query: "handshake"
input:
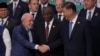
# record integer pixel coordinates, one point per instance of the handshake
(43, 48)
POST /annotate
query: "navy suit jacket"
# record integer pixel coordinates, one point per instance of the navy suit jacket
(20, 42)
(22, 8)
(79, 43)
(94, 26)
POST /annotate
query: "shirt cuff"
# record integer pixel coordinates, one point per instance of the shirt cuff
(36, 47)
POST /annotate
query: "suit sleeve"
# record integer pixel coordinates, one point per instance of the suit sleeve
(18, 36)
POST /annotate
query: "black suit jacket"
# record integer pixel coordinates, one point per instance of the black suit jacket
(79, 43)
(22, 8)
(95, 29)
(54, 40)
(10, 24)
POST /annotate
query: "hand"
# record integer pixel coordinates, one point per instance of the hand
(43, 48)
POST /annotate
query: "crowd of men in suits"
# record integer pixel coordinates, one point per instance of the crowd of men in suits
(33, 29)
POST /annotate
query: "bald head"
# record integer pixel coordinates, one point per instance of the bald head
(27, 20)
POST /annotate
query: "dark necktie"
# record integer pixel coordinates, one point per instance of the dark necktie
(70, 28)
(47, 31)
(43, 9)
(60, 17)
(33, 14)
(89, 17)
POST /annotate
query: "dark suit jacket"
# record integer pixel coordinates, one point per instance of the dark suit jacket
(54, 40)
(20, 10)
(20, 42)
(94, 26)
(40, 10)
(10, 24)
(79, 43)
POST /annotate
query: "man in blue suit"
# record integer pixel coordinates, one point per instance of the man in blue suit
(92, 14)
(17, 8)
(75, 34)
(22, 37)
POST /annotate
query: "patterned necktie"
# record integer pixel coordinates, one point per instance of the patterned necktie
(47, 31)
(89, 17)
(70, 28)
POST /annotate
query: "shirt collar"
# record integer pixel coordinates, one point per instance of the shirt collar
(60, 13)
(33, 12)
(92, 10)
(44, 5)
(16, 2)
(74, 19)
(50, 21)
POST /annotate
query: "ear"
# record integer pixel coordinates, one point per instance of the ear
(29, 6)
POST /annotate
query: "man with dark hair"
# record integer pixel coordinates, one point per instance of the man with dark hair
(5, 39)
(92, 14)
(8, 22)
(48, 34)
(59, 9)
(75, 33)
(34, 10)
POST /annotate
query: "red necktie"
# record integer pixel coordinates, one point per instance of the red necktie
(47, 31)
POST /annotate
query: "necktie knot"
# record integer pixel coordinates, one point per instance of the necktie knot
(89, 17)
(70, 28)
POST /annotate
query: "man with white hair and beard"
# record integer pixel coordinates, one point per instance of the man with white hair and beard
(22, 37)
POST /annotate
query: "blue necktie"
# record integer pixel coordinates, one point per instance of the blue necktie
(70, 28)
(30, 36)
(89, 17)
(2, 22)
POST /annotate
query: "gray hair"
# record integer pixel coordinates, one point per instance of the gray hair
(25, 16)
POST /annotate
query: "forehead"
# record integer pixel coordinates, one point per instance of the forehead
(3, 8)
(34, 1)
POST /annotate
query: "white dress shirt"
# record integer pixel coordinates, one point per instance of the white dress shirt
(35, 13)
(7, 42)
(74, 21)
(92, 12)
(62, 17)
(50, 25)
(4, 19)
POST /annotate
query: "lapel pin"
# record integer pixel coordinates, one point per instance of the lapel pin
(96, 14)
(78, 22)
(19, 6)
(53, 26)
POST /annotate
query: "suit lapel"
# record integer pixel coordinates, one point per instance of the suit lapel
(76, 26)
(43, 32)
(25, 32)
(95, 14)
(53, 29)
